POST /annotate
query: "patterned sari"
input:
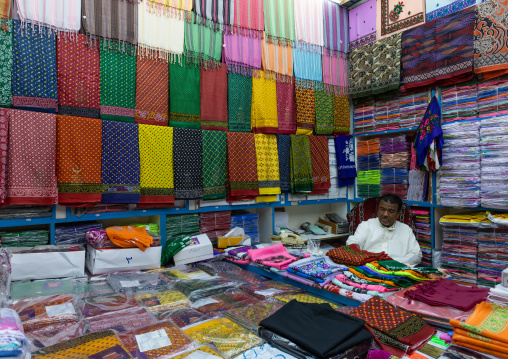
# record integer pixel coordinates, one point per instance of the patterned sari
(214, 165)
(301, 165)
(184, 96)
(214, 99)
(242, 165)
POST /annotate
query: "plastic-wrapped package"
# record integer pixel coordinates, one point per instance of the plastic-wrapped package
(25, 238)
(423, 229)
(91, 307)
(182, 317)
(196, 289)
(216, 267)
(151, 228)
(185, 272)
(229, 300)
(460, 253)
(160, 340)
(304, 298)
(16, 212)
(55, 333)
(41, 288)
(156, 301)
(245, 276)
(121, 321)
(227, 336)
(215, 224)
(90, 289)
(124, 283)
(74, 233)
(202, 352)
(98, 238)
(12, 337)
(250, 317)
(249, 223)
(5, 274)
(270, 289)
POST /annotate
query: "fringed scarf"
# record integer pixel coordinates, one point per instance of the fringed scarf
(307, 66)
(156, 161)
(277, 61)
(118, 84)
(112, 21)
(55, 15)
(239, 102)
(203, 45)
(120, 162)
(242, 54)
(286, 108)
(6, 63)
(336, 29)
(78, 160)
(184, 96)
(79, 77)
(160, 34)
(249, 17)
(188, 157)
(267, 159)
(214, 99)
(31, 175)
(284, 149)
(341, 114)
(335, 72)
(324, 112)
(217, 14)
(4, 142)
(301, 165)
(280, 22)
(6, 13)
(320, 164)
(152, 91)
(309, 20)
(305, 110)
(242, 165)
(214, 165)
(169, 6)
(264, 105)
(34, 79)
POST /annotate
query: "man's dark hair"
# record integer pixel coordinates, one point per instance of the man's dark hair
(392, 198)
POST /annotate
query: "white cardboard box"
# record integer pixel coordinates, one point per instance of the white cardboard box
(199, 249)
(46, 265)
(504, 278)
(99, 261)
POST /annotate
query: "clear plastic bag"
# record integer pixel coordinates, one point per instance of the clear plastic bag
(121, 321)
(182, 317)
(186, 272)
(124, 283)
(245, 277)
(229, 300)
(11, 333)
(216, 267)
(250, 317)
(203, 352)
(5, 275)
(55, 333)
(270, 289)
(91, 307)
(41, 288)
(90, 289)
(195, 289)
(156, 301)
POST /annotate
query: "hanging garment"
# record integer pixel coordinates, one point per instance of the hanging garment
(320, 158)
(31, 176)
(267, 159)
(203, 45)
(239, 102)
(242, 54)
(214, 165)
(187, 160)
(6, 13)
(78, 161)
(242, 164)
(214, 99)
(4, 141)
(428, 142)
(362, 24)
(324, 112)
(264, 105)
(286, 107)
(335, 72)
(305, 109)
(345, 154)
(394, 16)
(279, 21)
(301, 165)
(335, 29)
(218, 14)
(55, 15)
(438, 8)
(249, 17)
(277, 61)
(341, 115)
(184, 96)
(6, 62)
(309, 21)
(307, 65)
(284, 149)
(120, 162)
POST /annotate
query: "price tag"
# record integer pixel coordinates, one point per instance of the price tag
(153, 340)
(129, 283)
(60, 309)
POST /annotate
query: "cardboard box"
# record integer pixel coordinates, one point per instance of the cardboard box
(199, 249)
(47, 265)
(99, 261)
(331, 224)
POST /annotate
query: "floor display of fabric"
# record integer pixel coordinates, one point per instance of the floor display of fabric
(492, 255)
(121, 321)
(124, 283)
(460, 253)
(162, 300)
(182, 317)
(423, 230)
(249, 223)
(29, 289)
(179, 228)
(196, 289)
(215, 267)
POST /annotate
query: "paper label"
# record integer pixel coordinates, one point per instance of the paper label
(198, 354)
(199, 275)
(268, 291)
(129, 283)
(60, 309)
(203, 302)
(153, 340)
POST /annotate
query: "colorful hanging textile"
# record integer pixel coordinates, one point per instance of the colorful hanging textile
(202, 44)
(491, 39)
(160, 33)
(286, 107)
(320, 164)
(438, 8)
(187, 157)
(362, 24)
(239, 102)
(118, 84)
(277, 61)
(279, 22)
(305, 110)
(439, 63)
(352, 255)
(151, 92)
(300, 165)
(267, 159)
(6, 13)
(156, 161)
(78, 160)
(428, 143)
(217, 14)
(394, 16)
(242, 164)
(307, 65)
(120, 162)
(309, 21)
(59, 15)
(112, 21)
(324, 112)
(168, 6)
(284, 150)
(34, 82)
(264, 105)
(335, 72)
(242, 54)
(184, 96)
(214, 99)
(4, 141)
(6, 63)
(79, 78)
(341, 115)
(31, 176)
(335, 29)
(249, 17)
(214, 165)
(345, 156)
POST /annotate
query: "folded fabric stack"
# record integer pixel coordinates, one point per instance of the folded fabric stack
(15, 212)
(369, 179)
(459, 184)
(424, 233)
(492, 255)
(493, 97)
(196, 289)
(412, 109)
(364, 118)
(275, 256)
(342, 167)
(418, 184)
(130, 237)
(249, 223)
(98, 238)
(459, 102)
(238, 254)
(151, 228)
(25, 238)
(387, 114)
(125, 283)
(74, 233)
(494, 169)
(179, 229)
(499, 295)
(352, 256)
(215, 224)
(12, 337)
(318, 269)
(460, 253)
(395, 180)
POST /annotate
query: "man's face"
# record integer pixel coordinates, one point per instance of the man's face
(387, 213)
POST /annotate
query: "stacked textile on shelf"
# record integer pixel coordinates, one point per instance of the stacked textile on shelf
(249, 223)
(492, 255)
(412, 108)
(179, 228)
(460, 253)
(395, 161)
(369, 179)
(24, 238)
(74, 233)
(215, 224)
(417, 187)
(387, 114)
(335, 177)
(493, 97)
(15, 212)
(363, 118)
(459, 102)
(424, 233)
(459, 185)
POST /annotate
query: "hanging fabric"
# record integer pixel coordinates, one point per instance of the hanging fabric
(169, 6)
(242, 165)
(279, 22)
(242, 54)
(4, 142)
(152, 78)
(118, 84)
(345, 156)
(34, 75)
(6, 63)
(5, 14)
(202, 45)
(362, 24)
(341, 113)
(320, 158)
(31, 175)
(277, 61)
(438, 8)
(284, 150)
(78, 160)
(307, 66)
(239, 102)
(214, 165)
(335, 29)
(428, 142)
(54, 15)
(395, 16)
(111, 21)
(79, 77)
(249, 17)
(184, 96)
(324, 113)
(286, 108)
(214, 99)
(335, 72)
(217, 14)
(156, 163)
(188, 157)
(264, 105)
(301, 165)
(305, 110)
(120, 162)
(267, 159)
(309, 20)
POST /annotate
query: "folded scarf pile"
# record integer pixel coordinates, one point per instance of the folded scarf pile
(346, 167)
(130, 237)
(264, 105)
(238, 254)
(352, 256)
(274, 256)
(184, 96)
(214, 99)
(301, 165)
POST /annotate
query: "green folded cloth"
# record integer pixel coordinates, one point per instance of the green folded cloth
(24, 238)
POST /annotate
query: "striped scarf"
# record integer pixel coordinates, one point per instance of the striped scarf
(202, 44)
(279, 21)
(170, 7)
(335, 72)
(277, 61)
(309, 21)
(336, 28)
(61, 15)
(217, 14)
(249, 17)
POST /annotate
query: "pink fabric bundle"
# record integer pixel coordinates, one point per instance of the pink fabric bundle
(377, 288)
(274, 256)
(242, 53)
(98, 238)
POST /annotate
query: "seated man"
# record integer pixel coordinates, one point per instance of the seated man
(386, 234)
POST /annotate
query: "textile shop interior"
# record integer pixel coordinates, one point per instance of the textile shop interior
(233, 179)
